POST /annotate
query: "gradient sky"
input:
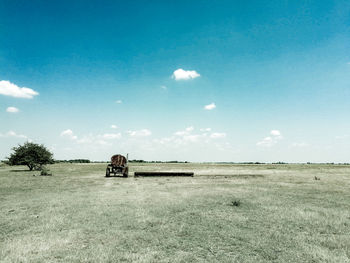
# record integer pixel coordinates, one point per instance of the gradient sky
(259, 81)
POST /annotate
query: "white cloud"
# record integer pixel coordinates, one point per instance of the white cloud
(12, 110)
(114, 126)
(210, 106)
(140, 133)
(118, 101)
(267, 141)
(69, 134)
(9, 89)
(101, 142)
(181, 74)
(299, 144)
(188, 130)
(344, 136)
(111, 136)
(271, 140)
(86, 139)
(187, 139)
(275, 133)
(13, 134)
(217, 135)
(91, 140)
(180, 133)
(163, 87)
(192, 137)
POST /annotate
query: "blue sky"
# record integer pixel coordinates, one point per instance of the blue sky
(187, 80)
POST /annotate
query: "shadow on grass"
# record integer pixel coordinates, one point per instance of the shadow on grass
(17, 171)
(115, 176)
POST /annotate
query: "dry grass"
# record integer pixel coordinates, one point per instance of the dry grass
(78, 215)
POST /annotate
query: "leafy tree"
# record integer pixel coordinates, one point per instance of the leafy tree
(31, 154)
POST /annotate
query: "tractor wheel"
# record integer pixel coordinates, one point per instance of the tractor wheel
(108, 172)
(126, 172)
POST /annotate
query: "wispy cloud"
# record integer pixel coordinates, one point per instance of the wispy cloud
(210, 106)
(90, 139)
(114, 126)
(271, 140)
(181, 74)
(140, 133)
(13, 134)
(119, 101)
(111, 136)
(218, 135)
(188, 130)
(189, 137)
(9, 89)
(299, 144)
(344, 136)
(163, 87)
(12, 110)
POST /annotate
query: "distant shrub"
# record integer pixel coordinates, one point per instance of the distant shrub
(236, 203)
(44, 171)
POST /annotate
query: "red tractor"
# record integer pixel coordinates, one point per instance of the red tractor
(118, 165)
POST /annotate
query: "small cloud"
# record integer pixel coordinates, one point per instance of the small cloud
(101, 142)
(275, 133)
(86, 140)
(192, 137)
(181, 74)
(12, 110)
(9, 89)
(13, 134)
(187, 131)
(210, 106)
(111, 136)
(69, 134)
(163, 87)
(114, 126)
(205, 129)
(119, 101)
(267, 141)
(140, 133)
(344, 136)
(180, 133)
(217, 135)
(299, 144)
(271, 140)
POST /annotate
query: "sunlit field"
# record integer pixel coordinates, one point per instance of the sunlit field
(225, 213)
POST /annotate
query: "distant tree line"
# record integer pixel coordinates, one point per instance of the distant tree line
(73, 161)
(143, 161)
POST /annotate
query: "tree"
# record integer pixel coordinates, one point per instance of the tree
(31, 154)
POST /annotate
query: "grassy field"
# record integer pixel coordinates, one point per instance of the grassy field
(225, 213)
